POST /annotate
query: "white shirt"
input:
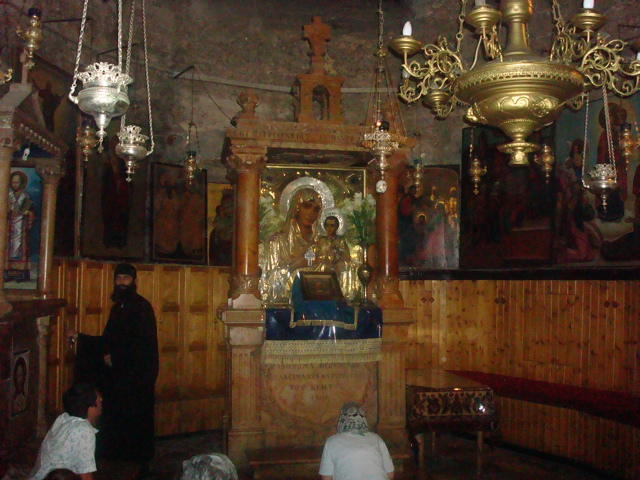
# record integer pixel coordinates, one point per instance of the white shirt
(70, 443)
(349, 456)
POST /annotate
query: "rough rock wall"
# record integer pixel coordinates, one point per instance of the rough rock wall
(259, 42)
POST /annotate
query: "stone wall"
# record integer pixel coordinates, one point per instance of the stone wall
(259, 43)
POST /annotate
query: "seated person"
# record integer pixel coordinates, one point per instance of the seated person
(354, 453)
(71, 441)
(213, 466)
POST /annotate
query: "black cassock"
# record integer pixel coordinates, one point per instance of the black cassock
(126, 429)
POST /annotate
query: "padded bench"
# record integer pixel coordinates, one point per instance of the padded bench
(616, 406)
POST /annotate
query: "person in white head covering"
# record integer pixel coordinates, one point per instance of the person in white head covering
(211, 466)
(355, 453)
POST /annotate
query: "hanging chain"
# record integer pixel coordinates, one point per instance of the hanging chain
(130, 42)
(120, 34)
(191, 124)
(83, 22)
(146, 74)
(585, 145)
(460, 34)
(380, 25)
(605, 97)
(379, 65)
(557, 16)
(123, 121)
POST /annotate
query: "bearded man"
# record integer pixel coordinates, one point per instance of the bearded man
(124, 364)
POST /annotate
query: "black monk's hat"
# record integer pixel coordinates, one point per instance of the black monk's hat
(125, 269)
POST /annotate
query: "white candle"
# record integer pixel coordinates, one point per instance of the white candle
(406, 30)
(588, 3)
(480, 2)
(638, 56)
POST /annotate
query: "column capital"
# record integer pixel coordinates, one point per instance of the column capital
(50, 169)
(8, 138)
(247, 159)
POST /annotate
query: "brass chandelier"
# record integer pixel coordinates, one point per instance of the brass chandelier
(516, 90)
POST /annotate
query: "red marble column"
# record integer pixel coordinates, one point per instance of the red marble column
(386, 279)
(246, 164)
(50, 171)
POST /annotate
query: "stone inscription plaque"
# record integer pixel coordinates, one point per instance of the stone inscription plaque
(311, 395)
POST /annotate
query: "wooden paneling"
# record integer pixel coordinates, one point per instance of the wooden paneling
(191, 383)
(582, 333)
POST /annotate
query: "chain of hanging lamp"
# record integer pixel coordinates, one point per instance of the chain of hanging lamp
(104, 93)
(132, 146)
(603, 179)
(383, 136)
(191, 161)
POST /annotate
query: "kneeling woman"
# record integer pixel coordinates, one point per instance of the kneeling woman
(355, 453)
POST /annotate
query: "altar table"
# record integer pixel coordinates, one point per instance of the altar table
(439, 401)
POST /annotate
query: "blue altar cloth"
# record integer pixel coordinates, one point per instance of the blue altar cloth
(324, 320)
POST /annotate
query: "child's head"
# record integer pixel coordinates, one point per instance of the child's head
(331, 225)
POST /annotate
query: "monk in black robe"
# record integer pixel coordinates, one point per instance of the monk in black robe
(123, 363)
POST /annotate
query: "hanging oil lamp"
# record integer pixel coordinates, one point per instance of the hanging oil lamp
(546, 160)
(104, 85)
(603, 179)
(86, 138)
(132, 147)
(476, 170)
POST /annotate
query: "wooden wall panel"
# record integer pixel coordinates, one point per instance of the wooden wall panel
(582, 333)
(190, 386)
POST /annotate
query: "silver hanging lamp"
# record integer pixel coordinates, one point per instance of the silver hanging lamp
(603, 179)
(133, 144)
(104, 85)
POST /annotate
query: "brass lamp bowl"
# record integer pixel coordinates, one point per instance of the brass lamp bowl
(518, 95)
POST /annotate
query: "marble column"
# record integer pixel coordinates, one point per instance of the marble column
(50, 170)
(386, 278)
(246, 163)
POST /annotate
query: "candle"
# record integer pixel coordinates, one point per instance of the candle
(480, 2)
(638, 56)
(588, 3)
(406, 30)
